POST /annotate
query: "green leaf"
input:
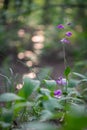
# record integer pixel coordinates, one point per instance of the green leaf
(51, 104)
(67, 71)
(71, 99)
(50, 84)
(76, 115)
(73, 83)
(7, 115)
(44, 73)
(83, 80)
(45, 91)
(46, 115)
(73, 93)
(79, 75)
(4, 125)
(22, 104)
(28, 87)
(38, 126)
(7, 97)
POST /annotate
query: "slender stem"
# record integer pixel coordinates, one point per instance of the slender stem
(66, 86)
(64, 55)
(6, 78)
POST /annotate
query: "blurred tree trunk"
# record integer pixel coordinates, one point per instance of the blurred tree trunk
(81, 19)
(18, 5)
(29, 5)
(3, 12)
(5, 5)
(46, 16)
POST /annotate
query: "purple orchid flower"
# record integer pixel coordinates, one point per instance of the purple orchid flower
(64, 40)
(61, 81)
(68, 34)
(60, 26)
(58, 93)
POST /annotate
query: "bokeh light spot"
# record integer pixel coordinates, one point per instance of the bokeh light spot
(31, 75)
(21, 55)
(21, 33)
(38, 46)
(38, 38)
(29, 63)
(19, 86)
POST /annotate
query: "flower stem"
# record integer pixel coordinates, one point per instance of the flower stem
(64, 55)
(66, 86)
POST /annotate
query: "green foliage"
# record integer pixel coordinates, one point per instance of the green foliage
(8, 97)
(44, 73)
(35, 103)
(50, 84)
(76, 119)
(28, 87)
(39, 126)
(67, 71)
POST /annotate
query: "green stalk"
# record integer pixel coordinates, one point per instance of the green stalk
(64, 56)
(66, 86)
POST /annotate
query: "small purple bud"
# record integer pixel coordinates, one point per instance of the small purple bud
(64, 40)
(69, 34)
(61, 81)
(57, 93)
(60, 26)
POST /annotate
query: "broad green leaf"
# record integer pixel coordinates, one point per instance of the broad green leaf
(67, 71)
(50, 84)
(83, 80)
(85, 90)
(45, 91)
(76, 119)
(22, 104)
(46, 115)
(38, 126)
(7, 115)
(7, 97)
(4, 125)
(73, 93)
(78, 110)
(44, 73)
(79, 75)
(51, 104)
(73, 83)
(28, 87)
(70, 99)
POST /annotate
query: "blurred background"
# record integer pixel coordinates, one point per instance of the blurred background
(30, 39)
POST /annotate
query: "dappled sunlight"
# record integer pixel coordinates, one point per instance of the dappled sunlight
(37, 38)
(38, 52)
(28, 54)
(21, 33)
(20, 55)
(79, 28)
(69, 10)
(25, 54)
(31, 55)
(29, 63)
(31, 75)
(38, 46)
(19, 86)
